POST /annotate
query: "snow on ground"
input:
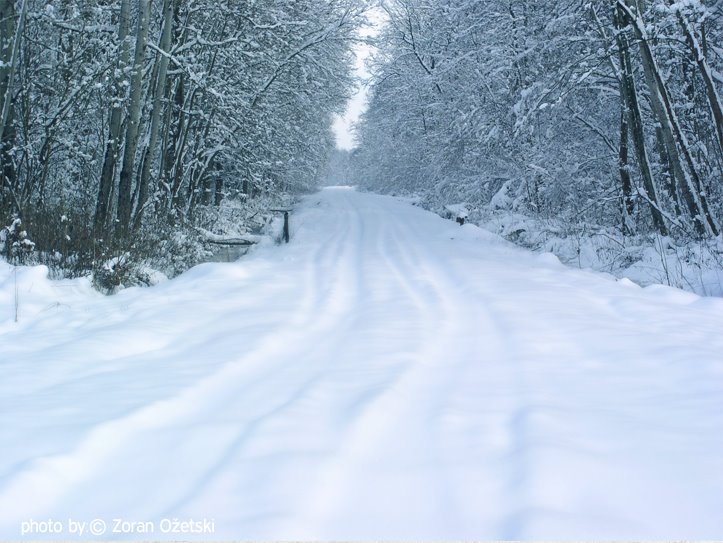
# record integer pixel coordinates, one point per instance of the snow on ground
(387, 375)
(694, 265)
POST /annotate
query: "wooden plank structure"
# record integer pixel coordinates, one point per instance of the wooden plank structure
(232, 242)
(230, 249)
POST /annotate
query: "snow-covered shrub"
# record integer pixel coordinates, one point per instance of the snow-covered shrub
(693, 265)
(173, 250)
(113, 274)
(154, 252)
(15, 243)
(64, 240)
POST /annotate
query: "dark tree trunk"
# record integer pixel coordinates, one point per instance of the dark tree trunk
(110, 160)
(629, 94)
(125, 184)
(624, 167)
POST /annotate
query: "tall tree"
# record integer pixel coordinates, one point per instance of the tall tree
(159, 92)
(125, 184)
(110, 160)
(10, 40)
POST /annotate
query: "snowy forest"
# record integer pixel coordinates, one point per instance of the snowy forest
(131, 129)
(135, 131)
(556, 121)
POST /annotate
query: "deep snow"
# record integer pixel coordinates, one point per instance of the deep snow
(387, 375)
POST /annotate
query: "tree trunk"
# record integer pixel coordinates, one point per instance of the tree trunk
(624, 167)
(174, 121)
(10, 37)
(110, 159)
(158, 93)
(669, 181)
(125, 188)
(8, 173)
(675, 141)
(173, 138)
(629, 94)
(218, 193)
(198, 170)
(9, 54)
(698, 54)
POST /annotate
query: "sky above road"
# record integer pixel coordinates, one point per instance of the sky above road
(344, 124)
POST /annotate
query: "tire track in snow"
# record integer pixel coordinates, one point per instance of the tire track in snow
(371, 281)
(55, 476)
(480, 324)
(350, 267)
(471, 329)
(429, 292)
(331, 292)
(510, 411)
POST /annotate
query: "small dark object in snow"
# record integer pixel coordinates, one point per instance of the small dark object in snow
(285, 234)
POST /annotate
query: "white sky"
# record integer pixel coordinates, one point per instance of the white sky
(343, 124)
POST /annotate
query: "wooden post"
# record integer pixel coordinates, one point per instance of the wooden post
(285, 234)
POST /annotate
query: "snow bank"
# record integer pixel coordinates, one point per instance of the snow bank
(696, 266)
(29, 289)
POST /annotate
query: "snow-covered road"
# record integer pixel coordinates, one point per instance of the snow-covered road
(387, 375)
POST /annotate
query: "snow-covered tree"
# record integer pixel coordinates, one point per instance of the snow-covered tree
(606, 112)
(135, 115)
